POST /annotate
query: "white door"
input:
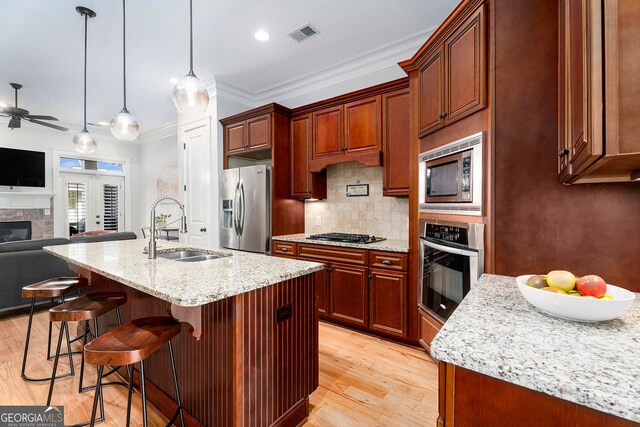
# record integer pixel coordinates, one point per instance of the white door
(197, 192)
(93, 202)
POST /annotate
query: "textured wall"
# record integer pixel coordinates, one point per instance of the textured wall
(41, 224)
(381, 216)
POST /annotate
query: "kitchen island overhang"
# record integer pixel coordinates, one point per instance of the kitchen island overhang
(253, 356)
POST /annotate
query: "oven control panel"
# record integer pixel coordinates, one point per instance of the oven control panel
(447, 233)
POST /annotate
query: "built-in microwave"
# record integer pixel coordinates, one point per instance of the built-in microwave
(451, 178)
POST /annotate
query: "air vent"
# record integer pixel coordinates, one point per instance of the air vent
(303, 33)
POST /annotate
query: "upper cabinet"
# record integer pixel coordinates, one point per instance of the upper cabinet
(395, 142)
(304, 184)
(327, 133)
(250, 134)
(599, 116)
(362, 126)
(453, 75)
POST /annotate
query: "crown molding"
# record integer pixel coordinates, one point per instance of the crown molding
(167, 130)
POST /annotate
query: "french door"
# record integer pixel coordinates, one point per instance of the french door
(93, 202)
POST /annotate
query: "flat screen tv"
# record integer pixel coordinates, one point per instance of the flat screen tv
(21, 168)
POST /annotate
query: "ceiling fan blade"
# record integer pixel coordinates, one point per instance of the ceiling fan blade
(4, 115)
(49, 125)
(34, 116)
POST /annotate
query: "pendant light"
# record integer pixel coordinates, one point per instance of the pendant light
(83, 142)
(123, 125)
(189, 94)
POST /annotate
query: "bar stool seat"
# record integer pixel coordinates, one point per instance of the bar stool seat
(131, 343)
(50, 288)
(87, 307)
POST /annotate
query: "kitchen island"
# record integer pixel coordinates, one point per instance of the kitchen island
(506, 363)
(248, 353)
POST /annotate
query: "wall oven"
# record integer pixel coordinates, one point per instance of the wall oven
(451, 261)
(451, 178)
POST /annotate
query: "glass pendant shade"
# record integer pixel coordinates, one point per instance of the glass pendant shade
(124, 126)
(84, 143)
(190, 96)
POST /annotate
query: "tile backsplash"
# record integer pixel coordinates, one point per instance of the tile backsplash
(374, 214)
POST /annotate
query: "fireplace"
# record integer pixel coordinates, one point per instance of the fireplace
(15, 230)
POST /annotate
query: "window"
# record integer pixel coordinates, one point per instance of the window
(77, 207)
(111, 212)
(90, 165)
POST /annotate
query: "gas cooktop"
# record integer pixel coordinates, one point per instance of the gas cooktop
(347, 238)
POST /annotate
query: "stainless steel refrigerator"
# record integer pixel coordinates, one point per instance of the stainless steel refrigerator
(246, 209)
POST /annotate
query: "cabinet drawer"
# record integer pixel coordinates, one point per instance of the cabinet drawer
(285, 248)
(326, 253)
(429, 328)
(388, 260)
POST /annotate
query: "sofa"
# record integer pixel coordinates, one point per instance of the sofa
(25, 262)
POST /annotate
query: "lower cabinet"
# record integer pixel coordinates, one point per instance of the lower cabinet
(388, 302)
(348, 294)
(322, 292)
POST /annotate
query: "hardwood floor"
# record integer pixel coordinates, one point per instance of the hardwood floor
(364, 381)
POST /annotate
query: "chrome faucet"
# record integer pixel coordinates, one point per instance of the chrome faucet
(152, 236)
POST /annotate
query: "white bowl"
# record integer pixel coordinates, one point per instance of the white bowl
(577, 309)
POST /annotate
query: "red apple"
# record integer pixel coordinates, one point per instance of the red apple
(592, 286)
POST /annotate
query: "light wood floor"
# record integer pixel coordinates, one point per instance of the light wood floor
(364, 381)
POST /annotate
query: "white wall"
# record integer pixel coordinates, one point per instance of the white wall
(38, 138)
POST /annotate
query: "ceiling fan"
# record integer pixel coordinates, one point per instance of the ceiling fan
(17, 114)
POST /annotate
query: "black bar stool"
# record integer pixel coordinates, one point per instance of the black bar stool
(85, 308)
(51, 289)
(134, 342)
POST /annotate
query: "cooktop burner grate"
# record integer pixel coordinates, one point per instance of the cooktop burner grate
(346, 237)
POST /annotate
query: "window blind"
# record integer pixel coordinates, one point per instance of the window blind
(77, 207)
(111, 211)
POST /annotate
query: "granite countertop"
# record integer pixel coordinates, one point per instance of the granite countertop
(496, 332)
(183, 283)
(389, 245)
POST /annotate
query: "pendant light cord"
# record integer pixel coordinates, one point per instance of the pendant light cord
(191, 38)
(86, 19)
(124, 52)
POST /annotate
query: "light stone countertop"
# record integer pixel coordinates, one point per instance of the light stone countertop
(185, 284)
(389, 245)
(497, 333)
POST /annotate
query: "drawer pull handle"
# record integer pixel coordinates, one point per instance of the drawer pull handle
(284, 249)
(387, 262)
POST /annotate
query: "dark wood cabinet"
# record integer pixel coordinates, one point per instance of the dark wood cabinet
(348, 294)
(304, 184)
(452, 76)
(599, 116)
(396, 143)
(362, 126)
(322, 292)
(234, 135)
(388, 302)
(327, 132)
(432, 93)
(259, 133)
(429, 328)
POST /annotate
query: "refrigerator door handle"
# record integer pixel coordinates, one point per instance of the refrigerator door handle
(243, 207)
(236, 210)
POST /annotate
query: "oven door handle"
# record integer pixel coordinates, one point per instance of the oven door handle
(449, 249)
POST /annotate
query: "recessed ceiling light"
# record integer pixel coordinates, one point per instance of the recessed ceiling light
(261, 35)
(174, 80)
(103, 123)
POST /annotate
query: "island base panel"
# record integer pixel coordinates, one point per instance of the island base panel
(468, 398)
(247, 368)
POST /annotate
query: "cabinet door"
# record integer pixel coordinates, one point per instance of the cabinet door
(259, 133)
(396, 143)
(235, 138)
(362, 126)
(431, 88)
(300, 146)
(387, 299)
(348, 294)
(584, 83)
(465, 68)
(322, 292)
(327, 132)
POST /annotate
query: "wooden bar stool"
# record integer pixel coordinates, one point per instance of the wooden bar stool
(131, 343)
(51, 289)
(84, 308)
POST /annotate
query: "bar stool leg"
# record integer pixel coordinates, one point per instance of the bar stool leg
(175, 383)
(130, 394)
(84, 342)
(95, 397)
(26, 342)
(55, 363)
(144, 395)
(49, 356)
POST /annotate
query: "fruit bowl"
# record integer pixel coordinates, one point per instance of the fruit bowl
(579, 309)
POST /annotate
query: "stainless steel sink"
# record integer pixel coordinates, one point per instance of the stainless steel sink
(188, 256)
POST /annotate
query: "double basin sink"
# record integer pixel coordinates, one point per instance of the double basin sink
(188, 256)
